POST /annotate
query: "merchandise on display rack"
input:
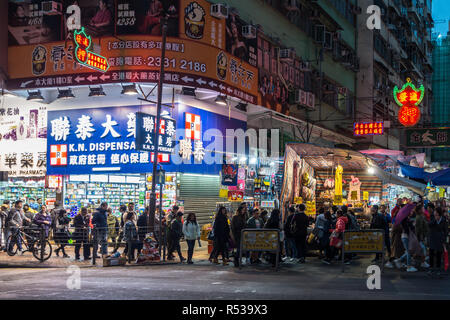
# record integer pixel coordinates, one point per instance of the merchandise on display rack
(169, 191)
(91, 190)
(25, 189)
(319, 176)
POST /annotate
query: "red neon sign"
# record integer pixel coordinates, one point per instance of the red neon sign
(84, 56)
(408, 98)
(368, 128)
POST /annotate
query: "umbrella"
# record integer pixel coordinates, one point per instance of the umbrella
(403, 213)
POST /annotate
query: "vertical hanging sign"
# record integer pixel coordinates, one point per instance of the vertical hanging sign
(84, 56)
(408, 98)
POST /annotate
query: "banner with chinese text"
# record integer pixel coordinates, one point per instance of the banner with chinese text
(428, 137)
(135, 59)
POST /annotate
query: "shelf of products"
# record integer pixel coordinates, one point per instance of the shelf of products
(15, 190)
(169, 191)
(115, 194)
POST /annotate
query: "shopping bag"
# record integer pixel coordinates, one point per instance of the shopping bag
(311, 238)
(335, 240)
(445, 258)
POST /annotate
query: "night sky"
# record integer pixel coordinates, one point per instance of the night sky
(441, 11)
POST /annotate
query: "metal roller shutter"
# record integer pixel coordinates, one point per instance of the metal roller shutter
(200, 195)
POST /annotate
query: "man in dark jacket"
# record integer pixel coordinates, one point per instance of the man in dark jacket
(300, 224)
(170, 218)
(291, 248)
(100, 222)
(378, 222)
(176, 231)
(438, 237)
(81, 234)
(142, 229)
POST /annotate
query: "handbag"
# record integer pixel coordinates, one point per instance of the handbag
(210, 235)
(445, 258)
(335, 239)
(311, 237)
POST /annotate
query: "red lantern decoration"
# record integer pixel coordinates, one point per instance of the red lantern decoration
(408, 98)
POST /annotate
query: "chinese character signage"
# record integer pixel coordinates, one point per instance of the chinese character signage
(134, 59)
(145, 133)
(25, 158)
(104, 140)
(409, 98)
(86, 57)
(368, 128)
(428, 137)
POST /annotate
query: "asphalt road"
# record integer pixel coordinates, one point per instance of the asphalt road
(205, 281)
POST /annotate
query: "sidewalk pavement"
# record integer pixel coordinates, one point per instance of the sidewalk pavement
(28, 261)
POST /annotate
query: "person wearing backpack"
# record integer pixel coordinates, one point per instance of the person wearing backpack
(299, 228)
(291, 248)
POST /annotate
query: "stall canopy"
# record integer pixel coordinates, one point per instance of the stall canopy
(439, 178)
(322, 158)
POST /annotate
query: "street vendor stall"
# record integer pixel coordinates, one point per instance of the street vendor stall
(319, 176)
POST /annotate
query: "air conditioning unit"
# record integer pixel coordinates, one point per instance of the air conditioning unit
(301, 97)
(356, 10)
(219, 11)
(328, 44)
(319, 35)
(286, 54)
(311, 102)
(305, 66)
(328, 88)
(51, 8)
(315, 15)
(249, 32)
(337, 35)
(291, 5)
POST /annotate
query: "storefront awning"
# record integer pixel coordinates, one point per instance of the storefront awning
(412, 185)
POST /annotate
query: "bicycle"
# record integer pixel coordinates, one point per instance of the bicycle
(32, 244)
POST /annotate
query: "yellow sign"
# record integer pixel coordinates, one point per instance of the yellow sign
(205, 231)
(365, 196)
(135, 58)
(260, 240)
(223, 193)
(363, 241)
(298, 200)
(310, 208)
(338, 200)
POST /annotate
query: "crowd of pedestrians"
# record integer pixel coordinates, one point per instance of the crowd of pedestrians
(415, 234)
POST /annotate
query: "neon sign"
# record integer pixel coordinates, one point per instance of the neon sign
(84, 56)
(368, 128)
(408, 98)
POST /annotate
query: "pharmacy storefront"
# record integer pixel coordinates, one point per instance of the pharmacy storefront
(94, 150)
(23, 133)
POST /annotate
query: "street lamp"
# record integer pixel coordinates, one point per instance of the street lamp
(151, 216)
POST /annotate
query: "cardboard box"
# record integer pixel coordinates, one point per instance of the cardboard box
(110, 262)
